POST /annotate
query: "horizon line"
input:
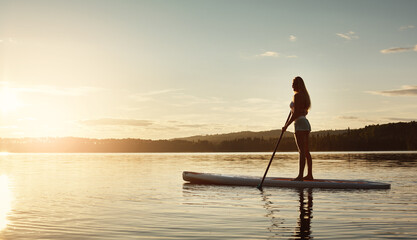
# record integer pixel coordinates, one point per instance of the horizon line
(201, 135)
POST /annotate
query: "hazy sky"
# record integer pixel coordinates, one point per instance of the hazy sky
(164, 69)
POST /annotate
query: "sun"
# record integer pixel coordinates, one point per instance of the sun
(8, 99)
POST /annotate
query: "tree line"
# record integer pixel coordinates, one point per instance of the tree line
(386, 137)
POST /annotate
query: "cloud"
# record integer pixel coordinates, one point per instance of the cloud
(8, 40)
(348, 36)
(404, 91)
(184, 100)
(8, 127)
(193, 125)
(403, 28)
(275, 55)
(116, 122)
(354, 120)
(269, 54)
(138, 127)
(256, 100)
(292, 38)
(399, 49)
(173, 99)
(402, 119)
(54, 90)
(27, 119)
(348, 118)
(149, 96)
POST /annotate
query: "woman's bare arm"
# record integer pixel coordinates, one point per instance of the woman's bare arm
(298, 110)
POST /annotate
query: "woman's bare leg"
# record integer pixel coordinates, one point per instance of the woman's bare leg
(309, 159)
(300, 140)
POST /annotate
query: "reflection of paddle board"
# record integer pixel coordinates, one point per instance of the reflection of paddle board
(218, 179)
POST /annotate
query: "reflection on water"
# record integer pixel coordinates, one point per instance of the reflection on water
(303, 228)
(303, 231)
(142, 196)
(405, 159)
(275, 207)
(5, 201)
(273, 214)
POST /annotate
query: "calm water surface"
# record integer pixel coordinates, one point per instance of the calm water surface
(143, 196)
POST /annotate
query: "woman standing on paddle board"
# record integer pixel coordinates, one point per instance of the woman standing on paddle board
(299, 109)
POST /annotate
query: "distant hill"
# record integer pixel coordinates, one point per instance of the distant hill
(381, 137)
(328, 132)
(217, 138)
(266, 135)
(385, 137)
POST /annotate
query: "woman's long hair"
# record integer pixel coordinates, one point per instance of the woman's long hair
(303, 90)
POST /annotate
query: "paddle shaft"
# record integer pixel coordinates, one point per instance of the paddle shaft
(273, 154)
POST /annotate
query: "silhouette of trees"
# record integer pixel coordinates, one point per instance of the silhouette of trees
(386, 137)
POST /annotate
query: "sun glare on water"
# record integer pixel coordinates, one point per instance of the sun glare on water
(5, 201)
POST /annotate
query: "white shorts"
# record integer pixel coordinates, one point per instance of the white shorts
(302, 124)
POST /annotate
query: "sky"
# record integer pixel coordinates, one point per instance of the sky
(168, 69)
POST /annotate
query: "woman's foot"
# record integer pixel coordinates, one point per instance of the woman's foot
(308, 177)
(298, 179)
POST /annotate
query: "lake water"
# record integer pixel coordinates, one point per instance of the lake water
(143, 196)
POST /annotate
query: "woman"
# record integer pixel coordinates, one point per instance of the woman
(299, 108)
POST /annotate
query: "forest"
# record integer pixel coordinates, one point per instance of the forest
(386, 137)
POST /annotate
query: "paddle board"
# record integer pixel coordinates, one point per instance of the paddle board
(233, 180)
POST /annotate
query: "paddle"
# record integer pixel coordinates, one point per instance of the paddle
(273, 154)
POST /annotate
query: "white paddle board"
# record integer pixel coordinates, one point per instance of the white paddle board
(233, 180)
